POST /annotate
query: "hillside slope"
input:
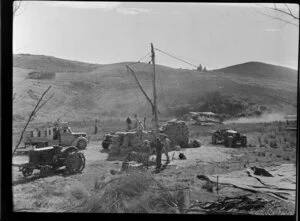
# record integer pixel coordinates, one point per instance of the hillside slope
(109, 90)
(260, 69)
(50, 63)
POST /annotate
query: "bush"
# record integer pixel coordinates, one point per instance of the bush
(273, 144)
(208, 186)
(79, 192)
(133, 192)
(286, 157)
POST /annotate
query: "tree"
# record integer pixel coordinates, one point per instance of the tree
(199, 68)
(287, 13)
(32, 115)
(16, 7)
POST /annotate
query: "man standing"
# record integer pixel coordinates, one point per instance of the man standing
(128, 122)
(136, 121)
(158, 147)
(96, 128)
(166, 146)
(145, 123)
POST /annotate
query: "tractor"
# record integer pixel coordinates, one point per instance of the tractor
(61, 135)
(107, 141)
(229, 137)
(52, 158)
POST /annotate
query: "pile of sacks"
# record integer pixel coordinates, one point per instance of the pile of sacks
(125, 142)
(178, 132)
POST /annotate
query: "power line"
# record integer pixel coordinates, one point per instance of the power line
(173, 56)
(141, 59)
(144, 56)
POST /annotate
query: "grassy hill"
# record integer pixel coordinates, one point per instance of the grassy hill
(50, 63)
(89, 91)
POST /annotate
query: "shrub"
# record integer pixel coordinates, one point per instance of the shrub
(286, 157)
(261, 154)
(208, 185)
(266, 140)
(132, 192)
(79, 192)
(273, 144)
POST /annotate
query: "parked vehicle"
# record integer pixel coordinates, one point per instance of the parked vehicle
(56, 135)
(229, 137)
(47, 159)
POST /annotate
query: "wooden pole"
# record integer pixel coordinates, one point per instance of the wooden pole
(140, 86)
(154, 90)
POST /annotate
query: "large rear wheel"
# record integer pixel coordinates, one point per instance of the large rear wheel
(75, 162)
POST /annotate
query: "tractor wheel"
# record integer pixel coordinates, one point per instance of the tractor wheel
(105, 145)
(214, 139)
(229, 142)
(75, 162)
(27, 171)
(81, 144)
(244, 141)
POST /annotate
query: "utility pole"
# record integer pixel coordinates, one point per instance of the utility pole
(154, 90)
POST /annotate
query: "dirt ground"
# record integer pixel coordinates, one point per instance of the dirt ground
(58, 192)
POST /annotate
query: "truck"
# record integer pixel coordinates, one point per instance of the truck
(229, 137)
(61, 135)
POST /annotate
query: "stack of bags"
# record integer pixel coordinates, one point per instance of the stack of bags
(124, 142)
(178, 132)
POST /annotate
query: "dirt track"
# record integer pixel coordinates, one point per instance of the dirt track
(54, 193)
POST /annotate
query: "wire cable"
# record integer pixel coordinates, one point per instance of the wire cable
(173, 56)
(140, 59)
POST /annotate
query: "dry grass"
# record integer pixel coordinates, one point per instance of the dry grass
(208, 185)
(79, 192)
(132, 192)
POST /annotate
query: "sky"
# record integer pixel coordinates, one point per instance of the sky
(215, 35)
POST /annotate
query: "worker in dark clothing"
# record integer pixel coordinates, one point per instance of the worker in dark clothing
(158, 147)
(128, 121)
(144, 123)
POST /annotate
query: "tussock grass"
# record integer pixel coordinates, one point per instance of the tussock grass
(79, 192)
(208, 185)
(132, 192)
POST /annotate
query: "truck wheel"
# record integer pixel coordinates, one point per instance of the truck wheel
(229, 142)
(214, 139)
(81, 144)
(105, 145)
(244, 141)
(27, 171)
(75, 162)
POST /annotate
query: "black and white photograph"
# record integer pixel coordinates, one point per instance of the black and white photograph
(154, 107)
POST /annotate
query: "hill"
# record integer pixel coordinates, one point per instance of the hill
(50, 63)
(89, 91)
(261, 70)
